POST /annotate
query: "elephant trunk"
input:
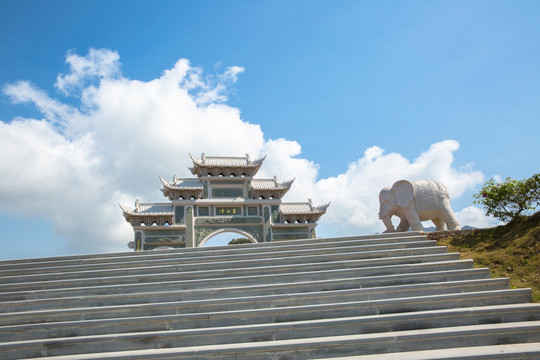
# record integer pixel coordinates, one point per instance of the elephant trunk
(385, 212)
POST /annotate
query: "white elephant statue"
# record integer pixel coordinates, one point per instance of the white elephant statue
(416, 201)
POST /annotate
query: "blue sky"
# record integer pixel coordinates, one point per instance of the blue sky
(349, 95)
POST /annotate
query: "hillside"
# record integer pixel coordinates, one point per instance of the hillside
(511, 250)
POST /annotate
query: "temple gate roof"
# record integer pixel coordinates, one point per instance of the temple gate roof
(225, 166)
(182, 188)
(270, 188)
(301, 212)
(148, 214)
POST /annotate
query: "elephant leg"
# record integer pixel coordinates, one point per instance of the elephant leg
(387, 220)
(403, 226)
(448, 216)
(414, 220)
(439, 224)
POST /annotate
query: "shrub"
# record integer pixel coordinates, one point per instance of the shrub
(239, 241)
(509, 199)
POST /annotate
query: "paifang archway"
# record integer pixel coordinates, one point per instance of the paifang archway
(225, 196)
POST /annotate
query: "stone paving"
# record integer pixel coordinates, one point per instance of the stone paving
(389, 296)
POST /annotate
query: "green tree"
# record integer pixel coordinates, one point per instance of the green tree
(511, 198)
(239, 241)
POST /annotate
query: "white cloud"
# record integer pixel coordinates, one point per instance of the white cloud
(55, 112)
(73, 166)
(96, 65)
(475, 217)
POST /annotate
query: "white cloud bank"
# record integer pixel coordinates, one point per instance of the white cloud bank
(74, 165)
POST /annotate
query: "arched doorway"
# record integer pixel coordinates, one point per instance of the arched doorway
(224, 236)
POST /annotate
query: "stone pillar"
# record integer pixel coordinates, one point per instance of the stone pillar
(267, 225)
(190, 233)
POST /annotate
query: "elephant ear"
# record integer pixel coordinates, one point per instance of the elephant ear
(404, 192)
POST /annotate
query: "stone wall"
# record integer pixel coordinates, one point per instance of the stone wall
(437, 235)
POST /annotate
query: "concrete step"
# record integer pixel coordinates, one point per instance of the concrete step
(202, 279)
(248, 301)
(160, 266)
(221, 255)
(253, 267)
(53, 299)
(529, 351)
(216, 288)
(162, 347)
(179, 265)
(186, 253)
(390, 293)
(279, 331)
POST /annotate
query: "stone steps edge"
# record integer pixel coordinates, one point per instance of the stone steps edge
(199, 279)
(365, 282)
(360, 294)
(318, 311)
(216, 252)
(310, 328)
(520, 351)
(240, 247)
(211, 260)
(294, 263)
(426, 339)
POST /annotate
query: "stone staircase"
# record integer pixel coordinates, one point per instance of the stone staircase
(390, 296)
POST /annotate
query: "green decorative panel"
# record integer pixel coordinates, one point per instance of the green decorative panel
(164, 232)
(275, 214)
(227, 182)
(204, 211)
(228, 210)
(291, 236)
(227, 220)
(178, 214)
(252, 210)
(205, 189)
(138, 241)
(155, 244)
(228, 193)
(291, 233)
(303, 230)
(164, 239)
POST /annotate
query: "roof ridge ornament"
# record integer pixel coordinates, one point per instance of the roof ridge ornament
(288, 183)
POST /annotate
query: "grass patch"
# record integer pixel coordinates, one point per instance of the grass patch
(511, 250)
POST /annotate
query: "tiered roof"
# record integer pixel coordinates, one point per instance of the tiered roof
(225, 166)
(212, 166)
(270, 188)
(182, 188)
(148, 214)
(302, 212)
